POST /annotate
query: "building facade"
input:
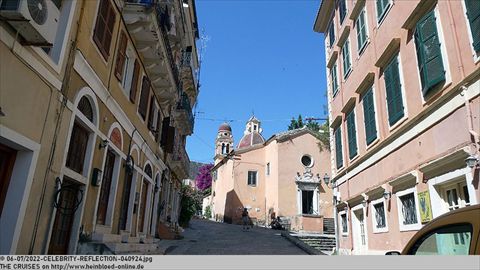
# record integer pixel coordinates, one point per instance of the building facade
(281, 176)
(96, 101)
(404, 108)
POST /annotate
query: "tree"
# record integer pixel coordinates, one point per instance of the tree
(190, 204)
(320, 131)
(204, 177)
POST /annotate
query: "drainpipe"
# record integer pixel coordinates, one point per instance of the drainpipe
(473, 134)
(335, 221)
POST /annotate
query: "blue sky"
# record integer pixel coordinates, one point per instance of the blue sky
(261, 57)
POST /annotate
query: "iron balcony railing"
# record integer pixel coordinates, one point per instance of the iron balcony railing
(163, 19)
(184, 104)
(145, 3)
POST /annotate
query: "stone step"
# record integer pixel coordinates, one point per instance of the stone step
(106, 238)
(127, 248)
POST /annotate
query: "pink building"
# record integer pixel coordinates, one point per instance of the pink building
(280, 176)
(404, 108)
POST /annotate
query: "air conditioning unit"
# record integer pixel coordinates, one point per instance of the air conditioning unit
(35, 20)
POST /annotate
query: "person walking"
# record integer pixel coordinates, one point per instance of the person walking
(245, 219)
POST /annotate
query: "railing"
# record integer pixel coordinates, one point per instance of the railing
(164, 23)
(184, 104)
(180, 155)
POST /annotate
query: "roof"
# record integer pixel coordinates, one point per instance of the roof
(251, 139)
(290, 134)
(323, 16)
(225, 127)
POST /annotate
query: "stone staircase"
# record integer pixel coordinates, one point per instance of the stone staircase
(117, 244)
(328, 226)
(324, 243)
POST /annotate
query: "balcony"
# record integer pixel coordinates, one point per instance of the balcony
(184, 116)
(188, 73)
(148, 23)
(179, 161)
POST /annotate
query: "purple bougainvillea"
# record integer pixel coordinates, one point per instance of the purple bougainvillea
(204, 177)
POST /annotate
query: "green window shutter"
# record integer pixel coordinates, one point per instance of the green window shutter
(352, 135)
(473, 14)
(338, 147)
(346, 58)
(382, 6)
(429, 54)
(331, 34)
(343, 10)
(361, 30)
(369, 116)
(333, 75)
(394, 92)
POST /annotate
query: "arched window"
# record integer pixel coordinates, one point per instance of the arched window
(223, 148)
(148, 171)
(228, 149)
(85, 107)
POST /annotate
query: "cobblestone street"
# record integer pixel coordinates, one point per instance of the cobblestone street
(211, 238)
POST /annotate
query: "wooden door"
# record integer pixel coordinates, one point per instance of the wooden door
(105, 190)
(62, 227)
(143, 205)
(77, 148)
(127, 188)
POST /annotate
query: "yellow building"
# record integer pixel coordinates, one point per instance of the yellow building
(96, 100)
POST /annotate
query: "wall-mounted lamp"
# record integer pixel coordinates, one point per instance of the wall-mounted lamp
(157, 188)
(2, 114)
(103, 144)
(387, 195)
(472, 161)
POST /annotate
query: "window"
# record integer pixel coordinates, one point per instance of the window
(429, 54)
(379, 216)
(134, 86)
(85, 108)
(144, 95)
(121, 57)
(393, 88)
(347, 68)
(333, 77)
(361, 26)
(408, 215)
(342, 8)
(77, 148)
(369, 116)
(456, 195)
(307, 161)
(307, 202)
(382, 7)
(447, 240)
(352, 134)
(338, 147)
(153, 115)
(343, 218)
(473, 15)
(268, 168)
(102, 34)
(252, 178)
(331, 34)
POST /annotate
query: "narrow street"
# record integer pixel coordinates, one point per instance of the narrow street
(211, 238)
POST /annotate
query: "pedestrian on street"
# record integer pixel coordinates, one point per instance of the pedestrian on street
(245, 219)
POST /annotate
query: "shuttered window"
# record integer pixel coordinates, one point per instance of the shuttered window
(252, 178)
(393, 88)
(352, 134)
(136, 74)
(77, 148)
(369, 116)
(338, 147)
(382, 7)
(429, 55)
(159, 123)
(473, 15)
(342, 7)
(121, 56)
(102, 34)
(143, 104)
(346, 59)
(361, 31)
(333, 76)
(331, 34)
